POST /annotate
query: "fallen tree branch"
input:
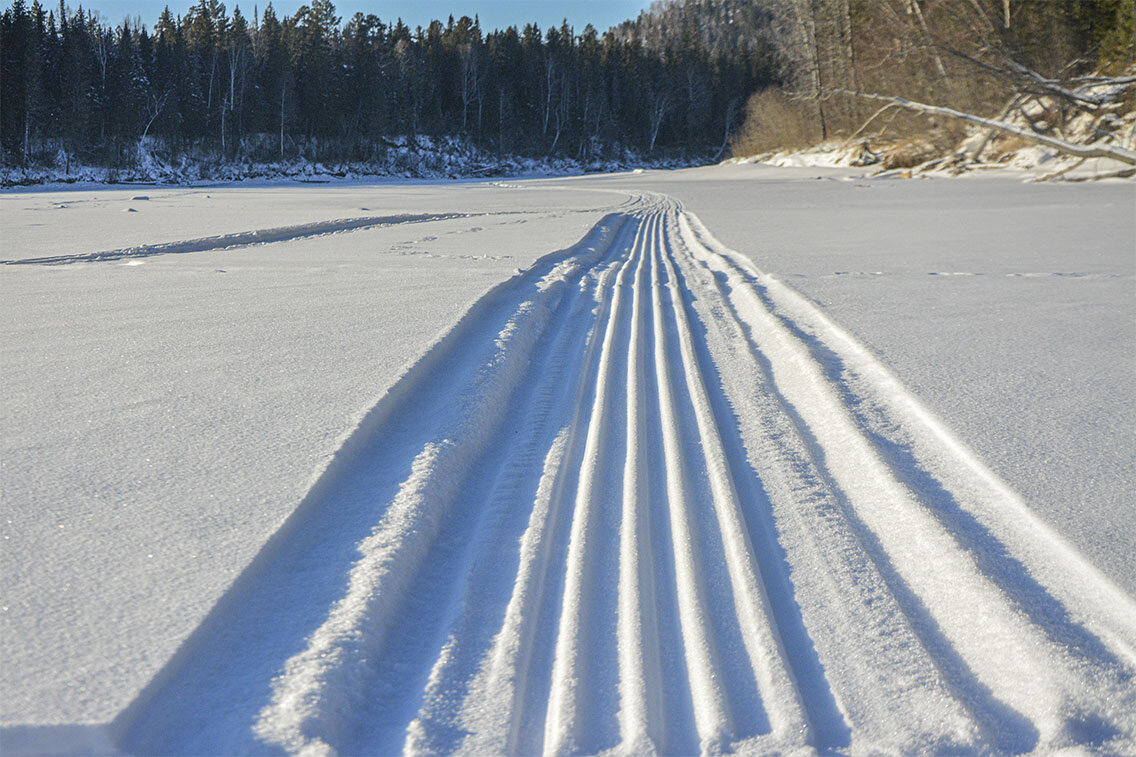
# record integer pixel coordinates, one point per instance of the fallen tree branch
(1061, 172)
(1069, 148)
(1033, 81)
(864, 125)
(1059, 88)
(1096, 81)
(976, 155)
(1029, 80)
(1050, 85)
(1124, 173)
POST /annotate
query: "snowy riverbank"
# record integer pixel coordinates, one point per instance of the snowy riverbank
(419, 157)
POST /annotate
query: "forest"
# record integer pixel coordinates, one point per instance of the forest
(688, 81)
(313, 85)
(1030, 60)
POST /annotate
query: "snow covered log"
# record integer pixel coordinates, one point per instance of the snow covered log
(1095, 150)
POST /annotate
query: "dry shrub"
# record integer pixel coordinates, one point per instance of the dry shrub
(775, 121)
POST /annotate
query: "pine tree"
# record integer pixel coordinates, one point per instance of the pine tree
(213, 82)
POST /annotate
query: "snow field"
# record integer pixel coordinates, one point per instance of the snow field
(645, 498)
(1025, 349)
(164, 414)
(853, 416)
(77, 223)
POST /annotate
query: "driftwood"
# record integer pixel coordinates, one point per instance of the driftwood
(1095, 150)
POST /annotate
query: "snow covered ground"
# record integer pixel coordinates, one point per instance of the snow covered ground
(1006, 307)
(732, 458)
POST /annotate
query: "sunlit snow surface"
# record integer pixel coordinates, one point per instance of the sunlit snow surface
(644, 495)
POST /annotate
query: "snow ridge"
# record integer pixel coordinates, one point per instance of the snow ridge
(239, 239)
(645, 498)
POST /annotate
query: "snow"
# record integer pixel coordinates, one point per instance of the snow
(826, 155)
(161, 420)
(741, 458)
(1026, 346)
(1018, 153)
(420, 157)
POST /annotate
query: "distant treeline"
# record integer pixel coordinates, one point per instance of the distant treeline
(259, 87)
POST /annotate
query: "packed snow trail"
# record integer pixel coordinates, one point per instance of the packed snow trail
(238, 239)
(645, 498)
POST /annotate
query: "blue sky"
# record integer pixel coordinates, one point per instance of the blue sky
(493, 13)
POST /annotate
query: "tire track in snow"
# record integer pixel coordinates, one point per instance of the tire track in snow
(479, 591)
(517, 480)
(647, 499)
(833, 591)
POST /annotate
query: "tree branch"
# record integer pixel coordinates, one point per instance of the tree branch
(877, 114)
(1010, 105)
(1069, 148)
(1037, 83)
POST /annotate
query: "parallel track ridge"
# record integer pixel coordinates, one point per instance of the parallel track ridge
(647, 499)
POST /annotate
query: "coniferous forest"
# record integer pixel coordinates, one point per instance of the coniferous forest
(261, 86)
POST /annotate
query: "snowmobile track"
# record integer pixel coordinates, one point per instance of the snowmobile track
(646, 498)
(239, 239)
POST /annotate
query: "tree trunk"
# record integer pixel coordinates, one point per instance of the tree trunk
(918, 13)
(805, 23)
(730, 110)
(282, 122)
(501, 120)
(548, 71)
